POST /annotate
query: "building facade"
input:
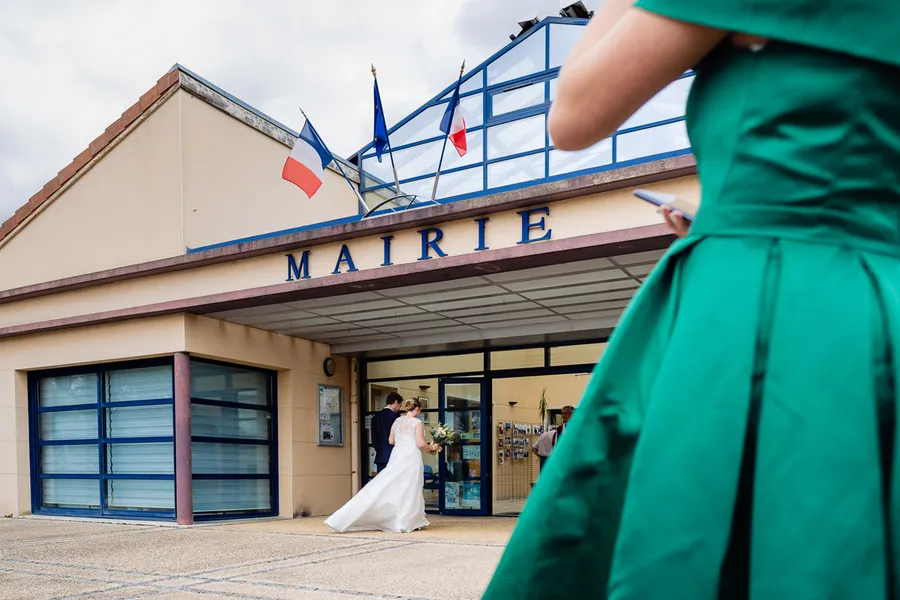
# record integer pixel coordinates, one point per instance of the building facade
(185, 336)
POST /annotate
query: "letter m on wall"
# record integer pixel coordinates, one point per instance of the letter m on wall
(295, 270)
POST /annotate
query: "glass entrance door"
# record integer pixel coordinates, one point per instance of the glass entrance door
(465, 487)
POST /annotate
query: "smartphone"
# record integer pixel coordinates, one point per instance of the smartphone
(685, 208)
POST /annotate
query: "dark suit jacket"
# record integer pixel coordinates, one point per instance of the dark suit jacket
(381, 434)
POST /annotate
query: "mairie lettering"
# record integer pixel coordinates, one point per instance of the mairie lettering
(534, 228)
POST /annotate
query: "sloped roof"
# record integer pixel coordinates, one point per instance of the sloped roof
(177, 77)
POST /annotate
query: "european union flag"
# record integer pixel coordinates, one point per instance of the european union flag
(380, 137)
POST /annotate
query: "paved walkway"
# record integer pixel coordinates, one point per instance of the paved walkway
(42, 559)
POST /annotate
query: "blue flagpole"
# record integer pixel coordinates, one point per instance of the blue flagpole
(338, 163)
(437, 175)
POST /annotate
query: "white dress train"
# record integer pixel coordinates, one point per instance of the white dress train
(393, 500)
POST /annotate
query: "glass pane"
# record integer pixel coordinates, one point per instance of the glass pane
(231, 495)
(473, 110)
(229, 384)
(418, 160)
(562, 39)
(421, 127)
(68, 390)
(669, 103)
(461, 182)
(225, 422)
(586, 354)
(229, 459)
(421, 189)
(75, 460)
(517, 99)
(459, 396)
(69, 425)
(474, 152)
(463, 459)
(472, 83)
(139, 421)
(525, 58)
(598, 155)
(151, 383)
(517, 136)
(517, 170)
(140, 494)
(423, 389)
(553, 85)
(378, 173)
(431, 365)
(517, 359)
(70, 493)
(140, 459)
(655, 140)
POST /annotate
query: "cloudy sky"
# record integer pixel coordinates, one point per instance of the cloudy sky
(70, 68)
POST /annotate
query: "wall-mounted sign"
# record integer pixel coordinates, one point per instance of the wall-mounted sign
(331, 416)
(431, 243)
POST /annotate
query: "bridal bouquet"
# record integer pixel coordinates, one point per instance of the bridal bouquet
(443, 434)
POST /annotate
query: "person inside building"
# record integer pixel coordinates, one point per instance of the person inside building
(393, 501)
(382, 422)
(738, 438)
(543, 446)
(566, 414)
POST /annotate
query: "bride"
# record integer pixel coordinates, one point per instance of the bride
(393, 500)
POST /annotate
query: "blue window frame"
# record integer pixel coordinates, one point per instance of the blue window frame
(103, 440)
(505, 101)
(233, 441)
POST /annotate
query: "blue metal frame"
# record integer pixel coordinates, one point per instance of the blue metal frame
(489, 120)
(271, 407)
(487, 375)
(484, 482)
(101, 442)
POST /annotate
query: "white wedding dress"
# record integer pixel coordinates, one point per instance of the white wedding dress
(393, 500)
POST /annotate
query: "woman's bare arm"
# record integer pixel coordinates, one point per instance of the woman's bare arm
(391, 437)
(420, 436)
(624, 58)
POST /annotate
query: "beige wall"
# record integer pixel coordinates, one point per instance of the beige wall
(571, 218)
(313, 480)
(232, 181)
(123, 211)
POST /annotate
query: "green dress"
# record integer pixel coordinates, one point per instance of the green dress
(737, 440)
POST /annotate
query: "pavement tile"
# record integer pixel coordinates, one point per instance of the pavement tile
(28, 586)
(283, 592)
(358, 548)
(440, 571)
(176, 552)
(13, 531)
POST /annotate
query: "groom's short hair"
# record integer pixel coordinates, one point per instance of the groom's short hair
(393, 397)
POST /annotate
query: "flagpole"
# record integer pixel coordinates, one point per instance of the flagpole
(390, 148)
(437, 175)
(338, 163)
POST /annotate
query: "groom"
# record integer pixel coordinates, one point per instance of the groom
(381, 429)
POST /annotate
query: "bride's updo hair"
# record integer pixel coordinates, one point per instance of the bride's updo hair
(412, 404)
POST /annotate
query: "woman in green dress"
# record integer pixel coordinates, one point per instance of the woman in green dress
(737, 439)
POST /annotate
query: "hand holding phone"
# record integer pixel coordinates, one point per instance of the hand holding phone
(670, 201)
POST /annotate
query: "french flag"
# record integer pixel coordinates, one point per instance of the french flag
(454, 124)
(305, 167)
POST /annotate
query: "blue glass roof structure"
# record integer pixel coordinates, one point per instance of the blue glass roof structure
(505, 101)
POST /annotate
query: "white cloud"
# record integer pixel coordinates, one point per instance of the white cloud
(71, 68)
